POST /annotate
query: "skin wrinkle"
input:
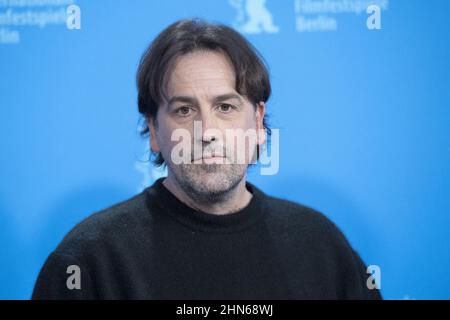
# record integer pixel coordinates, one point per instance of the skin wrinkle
(203, 76)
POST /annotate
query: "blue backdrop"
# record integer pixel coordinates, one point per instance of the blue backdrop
(364, 119)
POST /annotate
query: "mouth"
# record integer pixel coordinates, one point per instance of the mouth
(210, 160)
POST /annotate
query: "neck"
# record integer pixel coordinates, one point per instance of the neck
(235, 200)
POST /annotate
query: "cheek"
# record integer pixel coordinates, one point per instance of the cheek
(163, 134)
(182, 137)
(244, 144)
(249, 121)
(165, 140)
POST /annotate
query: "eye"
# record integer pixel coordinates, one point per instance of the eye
(183, 111)
(226, 108)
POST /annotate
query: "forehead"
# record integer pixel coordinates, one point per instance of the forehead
(206, 72)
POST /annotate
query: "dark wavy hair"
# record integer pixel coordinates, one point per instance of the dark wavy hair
(189, 35)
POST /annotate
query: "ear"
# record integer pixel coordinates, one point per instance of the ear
(260, 112)
(152, 128)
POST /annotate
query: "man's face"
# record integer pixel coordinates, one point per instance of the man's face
(201, 88)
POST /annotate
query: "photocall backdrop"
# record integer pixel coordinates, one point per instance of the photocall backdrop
(361, 99)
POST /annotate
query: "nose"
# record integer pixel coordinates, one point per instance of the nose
(209, 127)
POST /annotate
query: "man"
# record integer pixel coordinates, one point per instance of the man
(204, 232)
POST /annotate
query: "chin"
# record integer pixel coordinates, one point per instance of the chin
(214, 182)
(212, 179)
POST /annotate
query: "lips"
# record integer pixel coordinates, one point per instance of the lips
(210, 160)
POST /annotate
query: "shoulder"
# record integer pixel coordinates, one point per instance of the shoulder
(92, 246)
(296, 214)
(310, 235)
(105, 226)
(305, 224)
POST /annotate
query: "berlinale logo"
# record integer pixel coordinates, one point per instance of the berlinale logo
(253, 17)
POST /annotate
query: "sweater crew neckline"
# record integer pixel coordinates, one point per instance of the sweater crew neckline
(203, 221)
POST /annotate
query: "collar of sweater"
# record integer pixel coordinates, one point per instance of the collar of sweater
(246, 217)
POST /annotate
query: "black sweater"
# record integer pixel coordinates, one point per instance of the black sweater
(153, 246)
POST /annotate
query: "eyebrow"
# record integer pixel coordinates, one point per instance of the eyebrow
(215, 100)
